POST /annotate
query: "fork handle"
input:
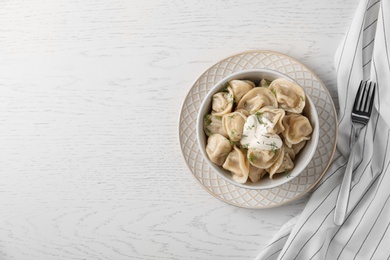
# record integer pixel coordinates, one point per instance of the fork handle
(343, 197)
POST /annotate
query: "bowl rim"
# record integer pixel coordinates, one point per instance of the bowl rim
(200, 131)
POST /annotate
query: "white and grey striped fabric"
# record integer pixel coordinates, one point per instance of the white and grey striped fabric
(365, 234)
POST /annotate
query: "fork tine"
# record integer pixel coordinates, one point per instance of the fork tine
(372, 98)
(355, 104)
(362, 97)
(367, 98)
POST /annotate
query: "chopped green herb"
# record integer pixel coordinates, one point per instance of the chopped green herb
(259, 117)
(207, 119)
(250, 127)
(273, 147)
(252, 158)
(233, 142)
(287, 173)
(225, 87)
(233, 132)
(245, 145)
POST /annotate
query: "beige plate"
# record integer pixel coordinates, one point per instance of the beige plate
(289, 191)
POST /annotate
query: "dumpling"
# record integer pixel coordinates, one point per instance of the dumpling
(240, 87)
(287, 164)
(213, 125)
(242, 111)
(255, 174)
(233, 125)
(264, 83)
(298, 147)
(257, 98)
(289, 150)
(290, 96)
(262, 158)
(222, 103)
(277, 163)
(249, 82)
(237, 163)
(294, 149)
(274, 116)
(283, 164)
(218, 148)
(297, 128)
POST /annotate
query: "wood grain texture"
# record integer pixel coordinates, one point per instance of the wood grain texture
(91, 92)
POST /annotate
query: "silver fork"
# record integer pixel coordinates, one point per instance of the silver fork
(361, 113)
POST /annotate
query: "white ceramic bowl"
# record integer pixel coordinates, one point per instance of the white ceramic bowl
(304, 156)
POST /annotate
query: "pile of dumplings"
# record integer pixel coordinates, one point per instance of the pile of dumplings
(281, 102)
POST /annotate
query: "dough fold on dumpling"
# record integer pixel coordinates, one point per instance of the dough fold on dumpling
(213, 125)
(262, 158)
(298, 147)
(274, 116)
(287, 164)
(240, 87)
(290, 96)
(297, 128)
(284, 163)
(264, 83)
(222, 103)
(289, 150)
(294, 149)
(255, 174)
(233, 125)
(237, 163)
(277, 163)
(218, 148)
(257, 98)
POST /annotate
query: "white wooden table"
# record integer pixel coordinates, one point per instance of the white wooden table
(90, 164)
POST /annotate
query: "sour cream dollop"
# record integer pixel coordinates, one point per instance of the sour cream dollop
(256, 134)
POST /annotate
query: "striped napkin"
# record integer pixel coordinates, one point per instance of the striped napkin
(363, 55)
